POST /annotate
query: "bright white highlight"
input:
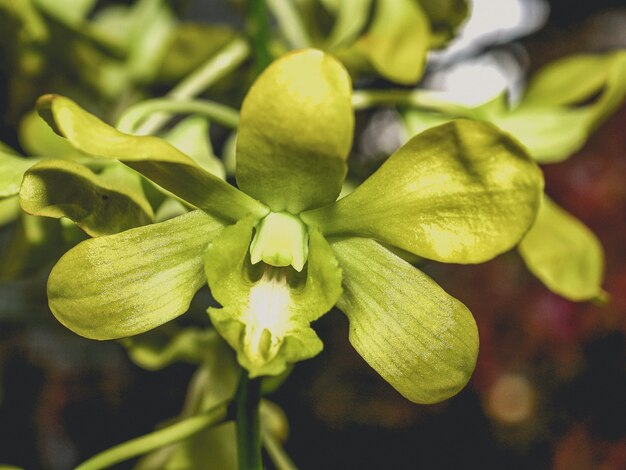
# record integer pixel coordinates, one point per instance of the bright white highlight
(267, 316)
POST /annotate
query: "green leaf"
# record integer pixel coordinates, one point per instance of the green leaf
(152, 157)
(267, 310)
(60, 188)
(418, 338)
(12, 169)
(191, 136)
(462, 192)
(120, 285)
(445, 17)
(564, 254)
(295, 132)
(397, 41)
(350, 19)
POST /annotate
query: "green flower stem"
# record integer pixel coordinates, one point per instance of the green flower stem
(218, 66)
(258, 29)
(248, 423)
(154, 440)
(215, 112)
(364, 99)
(290, 23)
(277, 453)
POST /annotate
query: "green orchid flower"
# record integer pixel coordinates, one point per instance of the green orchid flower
(280, 251)
(564, 103)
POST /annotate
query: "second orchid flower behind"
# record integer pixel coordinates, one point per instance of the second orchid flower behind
(281, 251)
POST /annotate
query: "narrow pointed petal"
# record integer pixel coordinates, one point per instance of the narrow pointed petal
(61, 188)
(120, 285)
(152, 157)
(564, 254)
(295, 132)
(267, 311)
(417, 337)
(462, 192)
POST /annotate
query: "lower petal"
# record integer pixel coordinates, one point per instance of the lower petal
(123, 284)
(418, 338)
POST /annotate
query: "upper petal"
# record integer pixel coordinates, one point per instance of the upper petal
(295, 132)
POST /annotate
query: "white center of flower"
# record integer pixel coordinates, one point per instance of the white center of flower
(267, 315)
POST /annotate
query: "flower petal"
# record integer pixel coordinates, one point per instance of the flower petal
(573, 79)
(295, 132)
(150, 156)
(550, 134)
(462, 192)
(397, 40)
(267, 310)
(418, 338)
(350, 18)
(564, 254)
(61, 188)
(36, 138)
(120, 285)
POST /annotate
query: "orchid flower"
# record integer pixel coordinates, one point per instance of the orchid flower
(280, 251)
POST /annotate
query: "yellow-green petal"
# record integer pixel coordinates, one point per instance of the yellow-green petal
(267, 310)
(296, 131)
(150, 156)
(120, 285)
(550, 134)
(418, 338)
(397, 41)
(36, 138)
(61, 188)
(350, 18)
(570, 80)
(564, 254)
(462, 192)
